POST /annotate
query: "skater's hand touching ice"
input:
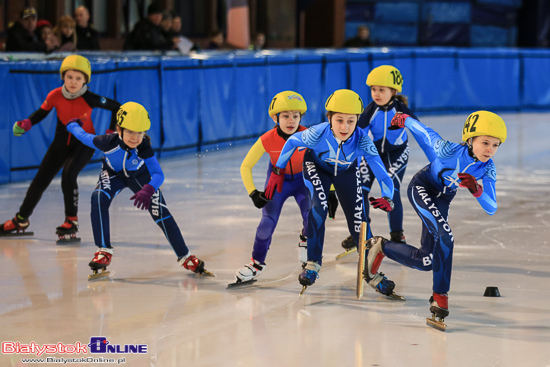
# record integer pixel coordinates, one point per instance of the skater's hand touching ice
(384, 203)
(276, 181)
(142, 198)
(259, 199)
(398, 121)
(468, 181)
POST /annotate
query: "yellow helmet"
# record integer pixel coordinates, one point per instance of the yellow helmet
(133, 116)
(344, 101)
(287, 101)
(76, 62)
(386, 76)
(484, 123)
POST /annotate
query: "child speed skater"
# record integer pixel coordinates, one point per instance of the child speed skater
(129, 161)
(385, 82)
(72, 100)
(334, 149)
(286, 109)
(430, 193)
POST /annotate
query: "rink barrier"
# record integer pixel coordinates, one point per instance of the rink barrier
(216, 99)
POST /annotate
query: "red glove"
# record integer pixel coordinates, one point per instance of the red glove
(109, 131)
(21, 127)
(468, 181)
(276, 180)
(384, 203)
(398, 121)
(142, 198)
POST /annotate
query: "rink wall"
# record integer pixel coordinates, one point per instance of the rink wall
(215, 99)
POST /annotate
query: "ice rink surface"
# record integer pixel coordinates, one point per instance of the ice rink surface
(186, 320)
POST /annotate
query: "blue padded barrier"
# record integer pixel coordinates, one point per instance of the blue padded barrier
(535, 79)
(138, 80)
(435, 80)
(180, 104)
(404, 60)
(488, 79)
(252, 101)
(30, 83)
(281, 72)
(359, 68)
(217, 99)
(336, 71)
(310, 85)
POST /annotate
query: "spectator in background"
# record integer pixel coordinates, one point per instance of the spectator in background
(362, 39)
(147, 33)
(166, 25)
(176, 24)
(21, 36)
(259, 42)
(215, 40)
(44, 31)
(65, 31)
(86, 34)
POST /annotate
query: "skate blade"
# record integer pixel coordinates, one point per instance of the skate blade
(207, 273)
(239, 284)
(346, 253)
(17, 234)
(303, 290)
(97, 275)
(436, 324)
(67, 241)
(394, 296)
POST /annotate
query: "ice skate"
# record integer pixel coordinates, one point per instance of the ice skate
(15, 227)
(439, 307)
(67, 231)
(194, 264)
(350, 247)
(247, 274)
(374, 278)
(309, 275)
(397, 236)
(102, 259)
(302, 250)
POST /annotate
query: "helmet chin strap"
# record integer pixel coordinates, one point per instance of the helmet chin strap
(471, 149)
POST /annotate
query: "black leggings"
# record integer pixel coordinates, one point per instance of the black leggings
(72, 158)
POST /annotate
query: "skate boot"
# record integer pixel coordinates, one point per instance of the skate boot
(349, 246)
(397, 236)
(67, 231)
(374, 278)
(248, 273)
(309, 275)
(439, 307)
(302, 250)
(15, 227)
(102, 259)
(194, 264)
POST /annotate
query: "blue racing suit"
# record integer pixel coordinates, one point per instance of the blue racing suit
(331, 161)
(430, 193)
(133, 168)
(393, 147)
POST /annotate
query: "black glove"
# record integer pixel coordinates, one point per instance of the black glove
(332, 204)
(258, 198)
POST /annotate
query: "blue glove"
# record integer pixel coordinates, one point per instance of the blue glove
(142, 198)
